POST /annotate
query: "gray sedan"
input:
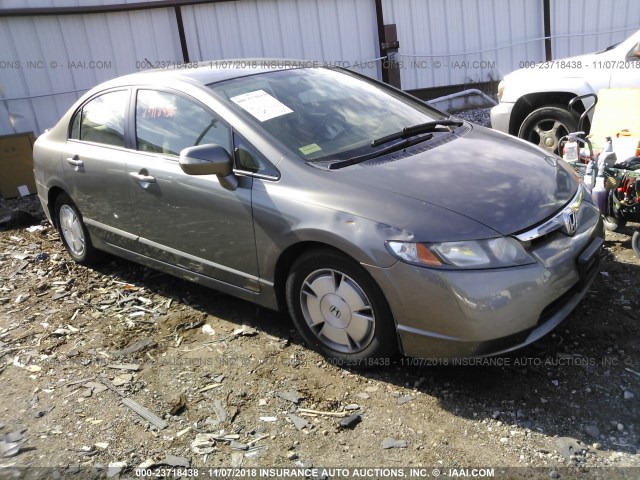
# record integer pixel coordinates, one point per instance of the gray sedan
(379, 223)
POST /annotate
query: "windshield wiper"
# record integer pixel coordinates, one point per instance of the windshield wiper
(416, 130)
(378, 153)
(404, 133)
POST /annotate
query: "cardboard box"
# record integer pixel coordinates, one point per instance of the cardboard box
(617, 110)
(16, 165)
(626, 146)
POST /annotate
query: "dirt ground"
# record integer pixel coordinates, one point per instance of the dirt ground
(232, 384)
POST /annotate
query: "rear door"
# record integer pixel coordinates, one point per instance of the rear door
(94, 160)
(186, 220)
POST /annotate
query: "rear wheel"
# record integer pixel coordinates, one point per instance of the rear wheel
(340, 311)
(73, 232)
(547, 125)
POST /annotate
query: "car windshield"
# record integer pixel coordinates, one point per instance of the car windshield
(323, 113)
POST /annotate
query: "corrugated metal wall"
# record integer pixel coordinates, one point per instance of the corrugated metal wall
(324, 30)
(62, 3)
(437, 36)
(442, 42)
(50, 61)
(572, 19)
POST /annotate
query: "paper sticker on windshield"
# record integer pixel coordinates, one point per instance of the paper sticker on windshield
(309, 149)
(261, 105)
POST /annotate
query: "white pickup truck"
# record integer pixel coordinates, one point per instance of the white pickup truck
(533, 101)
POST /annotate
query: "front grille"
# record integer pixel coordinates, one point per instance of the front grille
(552, 224)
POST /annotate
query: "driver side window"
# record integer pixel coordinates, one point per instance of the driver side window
(167, 123)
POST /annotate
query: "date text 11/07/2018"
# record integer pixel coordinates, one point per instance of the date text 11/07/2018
(579, 64)
(311, 472)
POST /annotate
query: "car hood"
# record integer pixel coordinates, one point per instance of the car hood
(500, 181)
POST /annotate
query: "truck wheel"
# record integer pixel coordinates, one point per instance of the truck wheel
(547, 125)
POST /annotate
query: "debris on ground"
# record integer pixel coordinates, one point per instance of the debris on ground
(393, 443)
(201, 379)
(291, 396)
(351, 421)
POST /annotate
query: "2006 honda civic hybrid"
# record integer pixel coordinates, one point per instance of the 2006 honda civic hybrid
(382, 225)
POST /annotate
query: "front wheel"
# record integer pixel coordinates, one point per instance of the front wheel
(73, 232)
(547, 125)
(340, 311)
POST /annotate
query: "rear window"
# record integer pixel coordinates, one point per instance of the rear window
(101, 119)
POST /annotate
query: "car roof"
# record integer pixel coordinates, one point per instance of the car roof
(205, 73)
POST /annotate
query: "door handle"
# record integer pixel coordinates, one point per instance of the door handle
(143, 178)
(75, 161)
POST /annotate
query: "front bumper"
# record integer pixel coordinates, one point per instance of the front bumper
(453, 314)
(501, 116)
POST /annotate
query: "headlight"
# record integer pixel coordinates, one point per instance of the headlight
(475, 254)
(500, 90)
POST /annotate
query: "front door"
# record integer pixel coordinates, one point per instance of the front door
(189, 221)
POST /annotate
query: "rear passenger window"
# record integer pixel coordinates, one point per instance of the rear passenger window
(167, 123)
(101, 120)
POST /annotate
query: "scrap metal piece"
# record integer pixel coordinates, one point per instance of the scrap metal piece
(135, 406)
(145, 413)
(300, 423)
(124, 366)
(291, 396)
(133, 348)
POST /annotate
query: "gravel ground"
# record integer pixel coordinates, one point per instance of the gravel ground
(478, 115)
(230, 384)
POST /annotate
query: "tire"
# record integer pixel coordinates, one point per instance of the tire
(613, 224)
(73, 232)
(324, 290)
(610, 221)
(547, 125)
(635, 242)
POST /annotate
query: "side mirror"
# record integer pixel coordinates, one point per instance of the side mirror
(209, 160)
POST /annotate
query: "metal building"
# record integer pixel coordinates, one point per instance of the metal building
(52, 51)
